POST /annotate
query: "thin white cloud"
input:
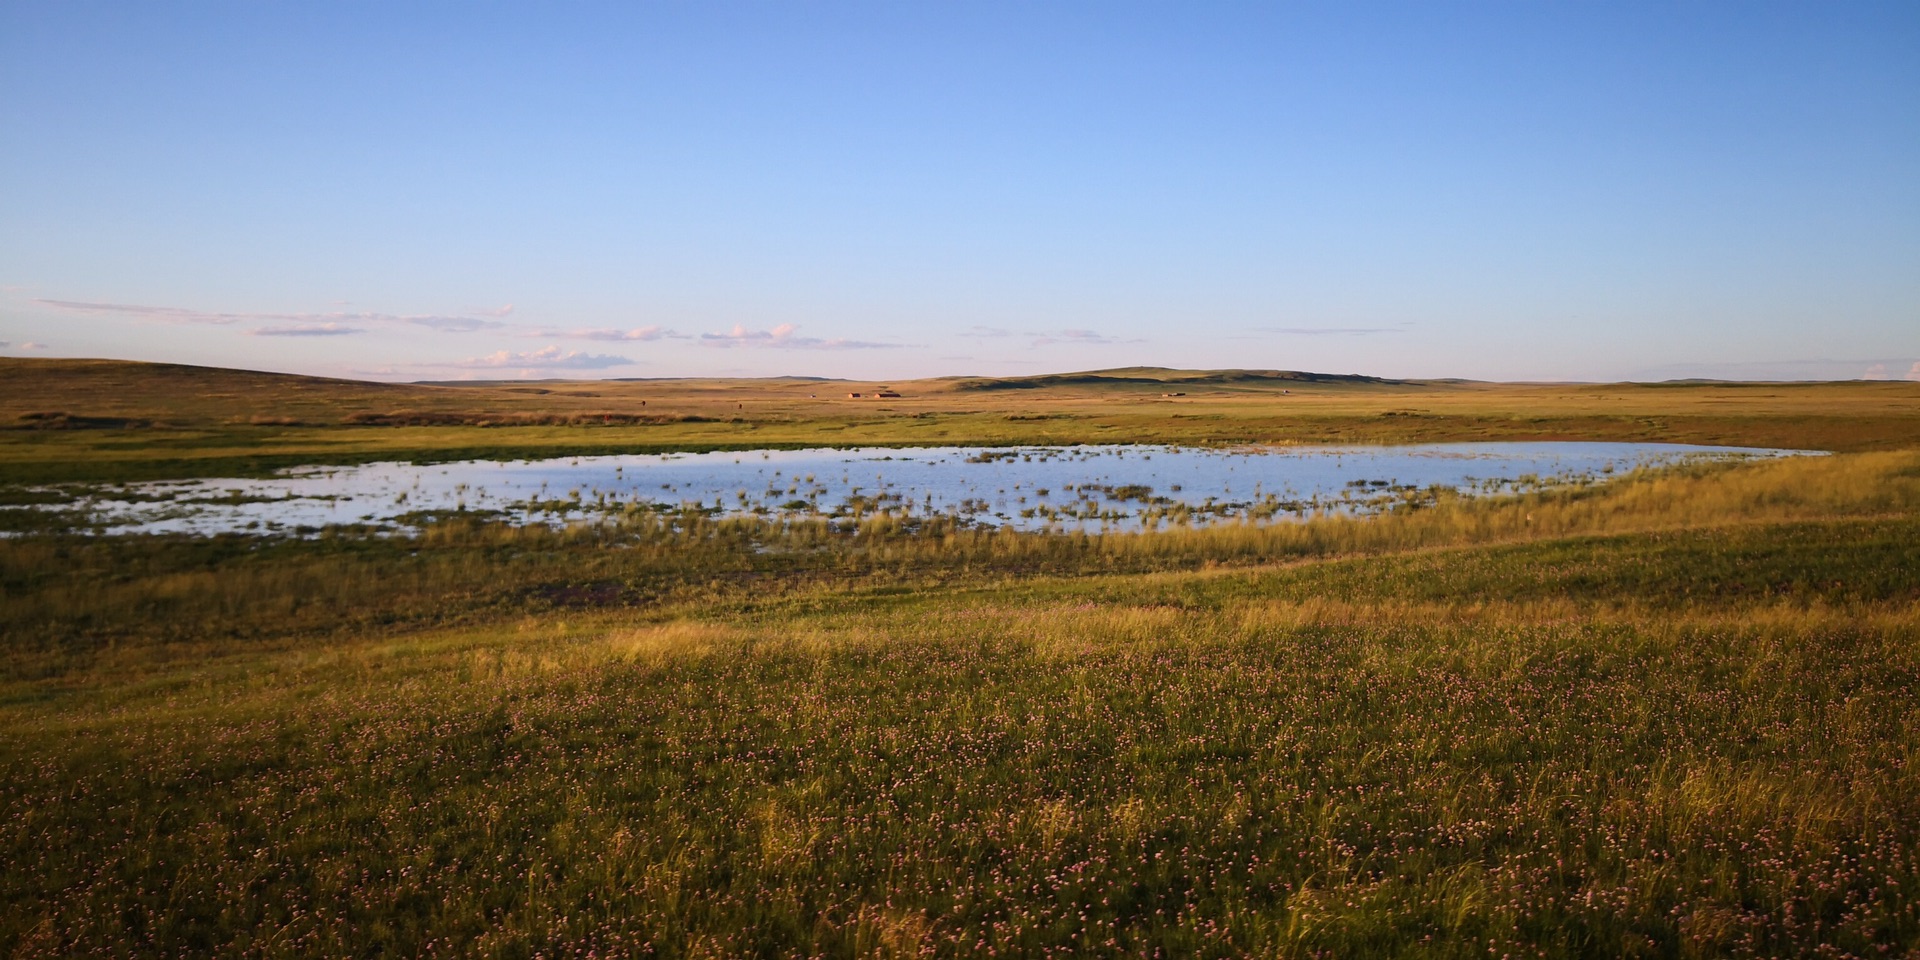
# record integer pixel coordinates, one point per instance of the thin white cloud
(546, 358)
(443, 324)
(1914, 373)
(1877, 371)
(30, 345)
(175, 314)
(308, 330)
(1041, 338)
(450, 324)
(1084, 338)
(782, 337)
(1329, 331)
(609, 333)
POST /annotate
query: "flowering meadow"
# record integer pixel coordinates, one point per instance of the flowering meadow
(1673, 715)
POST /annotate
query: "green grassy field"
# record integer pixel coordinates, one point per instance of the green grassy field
(1673, 715)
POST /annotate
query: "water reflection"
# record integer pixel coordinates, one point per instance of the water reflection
(1125, 487)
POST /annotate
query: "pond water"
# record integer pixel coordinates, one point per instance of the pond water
(1125, 487)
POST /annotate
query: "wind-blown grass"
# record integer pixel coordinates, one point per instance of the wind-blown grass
(1675, 715)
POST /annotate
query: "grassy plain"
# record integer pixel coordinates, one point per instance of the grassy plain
(1674, 715)
(77, 420)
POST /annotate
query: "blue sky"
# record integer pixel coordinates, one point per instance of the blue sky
(1489, 190)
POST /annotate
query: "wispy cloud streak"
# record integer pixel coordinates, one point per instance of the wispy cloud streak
(1042, 338)
(1085, 338)
(609, 334)
(546, 358)
(783, 337)
(445, 323)
(308, 330)
(1329, 331)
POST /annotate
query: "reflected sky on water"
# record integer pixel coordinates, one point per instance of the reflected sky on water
(1028, 487)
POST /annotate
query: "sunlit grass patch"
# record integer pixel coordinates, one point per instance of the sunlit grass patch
(677, 640)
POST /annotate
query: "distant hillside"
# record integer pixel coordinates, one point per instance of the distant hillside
(80, 393)
(1162, 376)
(71, 394)
(111, 375)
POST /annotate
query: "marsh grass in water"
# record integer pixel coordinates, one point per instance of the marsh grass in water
(1672, 715)
(1095, 488)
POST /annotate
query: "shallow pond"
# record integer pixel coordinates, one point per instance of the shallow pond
(1083, 487)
